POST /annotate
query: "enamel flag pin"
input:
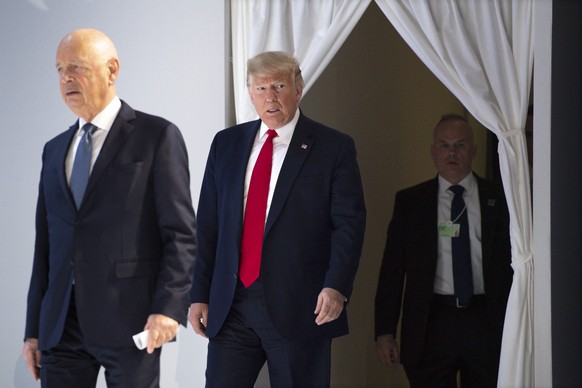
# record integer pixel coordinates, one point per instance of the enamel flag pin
(303, 146)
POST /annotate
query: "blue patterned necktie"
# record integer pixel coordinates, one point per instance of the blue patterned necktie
(462, 272)
(82, 164)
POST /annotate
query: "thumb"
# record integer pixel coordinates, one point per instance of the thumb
(319, 304)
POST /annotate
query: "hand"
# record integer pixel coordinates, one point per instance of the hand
(387, 350)
(330, 304)
(162, 329)
(198, 318)
(31, 356)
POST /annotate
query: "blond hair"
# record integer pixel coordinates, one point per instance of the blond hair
(275, 63)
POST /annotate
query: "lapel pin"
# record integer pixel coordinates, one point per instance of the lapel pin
(490, 202)
(303, 146)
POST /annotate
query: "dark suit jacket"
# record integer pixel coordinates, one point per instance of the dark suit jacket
(131, 245)
(411, 254)
(313, 234)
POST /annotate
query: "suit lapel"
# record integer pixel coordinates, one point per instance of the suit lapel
(430, 201)
(118, 133)
(60, 165)
(236, 167)
(299, 148)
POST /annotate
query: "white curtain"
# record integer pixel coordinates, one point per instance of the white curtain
(482, 51)
(313, 31)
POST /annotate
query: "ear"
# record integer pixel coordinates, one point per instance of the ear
(113, 69)
(473, 151)
(299, 93)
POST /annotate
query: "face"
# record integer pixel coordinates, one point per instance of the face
(453, 150)
(275, 99)
(86, 74)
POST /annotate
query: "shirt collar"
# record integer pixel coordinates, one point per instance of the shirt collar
(469, 182)
(104, 120)
(285, 133)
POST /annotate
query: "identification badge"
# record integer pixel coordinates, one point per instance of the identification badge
(448, 229)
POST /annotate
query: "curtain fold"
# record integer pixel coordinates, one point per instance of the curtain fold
(482, 51)
(313, 31)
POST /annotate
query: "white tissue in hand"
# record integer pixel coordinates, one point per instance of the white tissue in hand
(141, 339)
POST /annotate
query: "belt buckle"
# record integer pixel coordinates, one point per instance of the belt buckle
(460, 306)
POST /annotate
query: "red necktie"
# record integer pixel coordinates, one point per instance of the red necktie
(255, 213)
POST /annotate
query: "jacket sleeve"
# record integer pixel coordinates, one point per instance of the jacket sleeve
(39, 277)
(177, 225)
(392, 274)
(348, 219)
(207, 232)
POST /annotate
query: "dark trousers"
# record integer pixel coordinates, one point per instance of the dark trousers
(248, 339)
(458, 340)
(74, 363)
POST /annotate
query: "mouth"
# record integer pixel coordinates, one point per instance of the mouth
(70, 93)
(272, 110)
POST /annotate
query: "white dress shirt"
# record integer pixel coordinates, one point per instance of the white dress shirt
(103, 121)
(280, 147)
(443, 283)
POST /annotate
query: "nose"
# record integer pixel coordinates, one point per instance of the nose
(271, 95)
(65, 75)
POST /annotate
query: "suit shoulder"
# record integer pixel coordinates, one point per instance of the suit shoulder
(488, 182)
(152, 119)
(239, 128)
(322, 129)
(61, 140)
(154, 126)
(491, 187)
(236, 134)
(428, 186)
(63, 136)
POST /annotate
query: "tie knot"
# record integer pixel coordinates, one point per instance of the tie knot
(272, 133)
(457, 189)
(89, 128)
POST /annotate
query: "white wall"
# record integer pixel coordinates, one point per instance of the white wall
(173, 64)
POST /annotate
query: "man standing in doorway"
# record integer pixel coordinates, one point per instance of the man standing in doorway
(448, 252)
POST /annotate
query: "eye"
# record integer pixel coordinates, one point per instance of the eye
(79, 69)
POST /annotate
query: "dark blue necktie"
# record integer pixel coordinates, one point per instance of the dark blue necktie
(462, 273)
(82, 164)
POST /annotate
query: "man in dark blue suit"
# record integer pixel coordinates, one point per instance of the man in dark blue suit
(114, 256)
(447, 326)
(309, 243)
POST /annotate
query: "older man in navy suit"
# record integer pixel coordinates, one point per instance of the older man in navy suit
(280, 236)
(115, 232)
(448, 252)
